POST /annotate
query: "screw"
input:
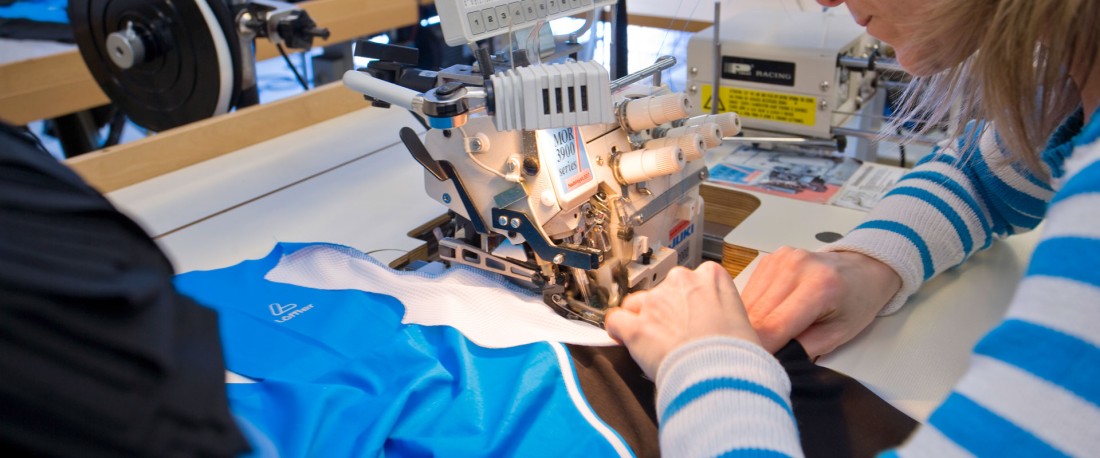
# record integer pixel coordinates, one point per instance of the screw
(694, 70)
(693, 89)
(475, 144)
(824, 86)
(502, 221)
(599, 160)
(703, 174)
(515, 223)
(823, 105)
(446, 198)
(559, 258)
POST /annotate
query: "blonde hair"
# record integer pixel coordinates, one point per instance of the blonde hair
(1007, 61)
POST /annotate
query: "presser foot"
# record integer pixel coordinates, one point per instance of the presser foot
(559, 301)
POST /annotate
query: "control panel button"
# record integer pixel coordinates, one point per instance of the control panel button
(529, 13)
(517, 12)
(477, 26)
(489, 16)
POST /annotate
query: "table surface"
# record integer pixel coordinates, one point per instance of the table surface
(913, 357)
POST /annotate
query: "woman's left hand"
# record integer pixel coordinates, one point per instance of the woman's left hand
(686, 306)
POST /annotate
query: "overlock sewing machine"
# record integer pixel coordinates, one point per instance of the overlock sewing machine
(556, 177)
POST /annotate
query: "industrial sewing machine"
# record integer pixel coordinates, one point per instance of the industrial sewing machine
(798, 79)
(583, 188)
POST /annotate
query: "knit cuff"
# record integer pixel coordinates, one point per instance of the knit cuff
(897, 256)
(721, 394)
(714, 357)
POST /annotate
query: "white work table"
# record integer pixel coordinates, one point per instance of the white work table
(913, 357)
(347, 181)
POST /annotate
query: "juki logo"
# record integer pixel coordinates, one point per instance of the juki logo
(680, 232)
(287, 312)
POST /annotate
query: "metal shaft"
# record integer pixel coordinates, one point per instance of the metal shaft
(662, 63)
(714, 94)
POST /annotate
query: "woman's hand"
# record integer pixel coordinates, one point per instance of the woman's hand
(821, 299)
(687, 305)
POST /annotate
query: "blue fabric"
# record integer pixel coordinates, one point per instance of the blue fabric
(752, 453)
(941, 206)
(708, 386)
(908, 233)
(1017, 207)
(1087, 181)
(971, 426)
(959, 192)
(1073, 258)
(36, 10)
(1056, 357)
(340, 375)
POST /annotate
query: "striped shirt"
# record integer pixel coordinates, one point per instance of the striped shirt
(1033, 385)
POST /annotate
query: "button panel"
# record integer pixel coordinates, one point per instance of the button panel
(482, 19)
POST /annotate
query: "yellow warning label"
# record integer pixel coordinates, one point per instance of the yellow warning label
(770, 106)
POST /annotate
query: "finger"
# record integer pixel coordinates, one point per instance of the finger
(767, 272)
(777, 290)
(607, 321)
(633, 301)
(785, 322)
(820, 340)
(622, 325)
(759, 280)
(723, 282)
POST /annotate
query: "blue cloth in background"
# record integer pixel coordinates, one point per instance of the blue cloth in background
(37, 10)
(340, 375)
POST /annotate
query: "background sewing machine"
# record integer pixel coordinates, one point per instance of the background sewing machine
(807, 79)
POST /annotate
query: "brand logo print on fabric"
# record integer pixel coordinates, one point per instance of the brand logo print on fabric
(279, 309)
(287, 312)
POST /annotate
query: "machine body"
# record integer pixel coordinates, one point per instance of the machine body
(558, 178)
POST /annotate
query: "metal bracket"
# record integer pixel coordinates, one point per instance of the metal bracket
(570, 255)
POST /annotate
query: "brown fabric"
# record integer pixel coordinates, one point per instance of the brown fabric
(620, 394)
(837, 416)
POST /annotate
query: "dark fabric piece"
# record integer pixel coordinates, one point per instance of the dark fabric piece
(101, 356)
(26, 29)
(837, 416)
(620, 394)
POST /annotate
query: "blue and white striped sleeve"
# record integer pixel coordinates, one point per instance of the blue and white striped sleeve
(725, 397)
(1031, 389)
(948, 207)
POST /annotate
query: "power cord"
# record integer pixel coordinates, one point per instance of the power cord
(294, 69)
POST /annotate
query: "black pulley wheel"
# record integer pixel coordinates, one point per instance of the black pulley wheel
(165, 63)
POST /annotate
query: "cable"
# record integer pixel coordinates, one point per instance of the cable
(294, 69)
(479, 163)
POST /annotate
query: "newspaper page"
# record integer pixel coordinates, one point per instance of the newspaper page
(864, 189)
(799, 175)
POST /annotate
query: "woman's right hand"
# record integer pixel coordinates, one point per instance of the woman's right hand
(821, 299)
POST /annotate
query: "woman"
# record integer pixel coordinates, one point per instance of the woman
(1028, 67)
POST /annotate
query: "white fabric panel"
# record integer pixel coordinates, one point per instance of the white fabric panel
(486, 310)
